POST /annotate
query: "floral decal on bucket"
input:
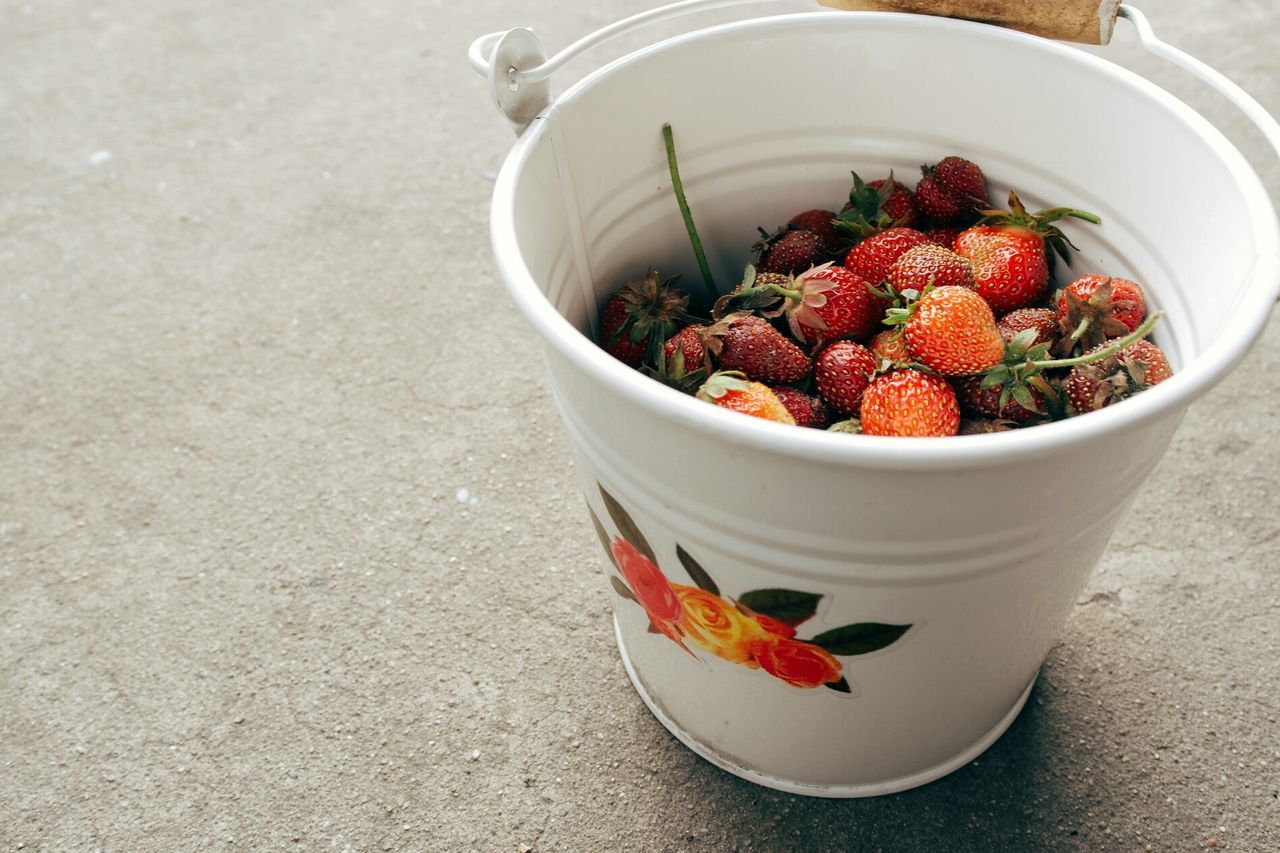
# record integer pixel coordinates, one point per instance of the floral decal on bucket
(756, 630)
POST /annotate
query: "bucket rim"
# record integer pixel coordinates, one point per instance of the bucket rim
(1169, 398)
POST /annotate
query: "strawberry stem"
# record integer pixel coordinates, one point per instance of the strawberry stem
(1115, 347)
(678, 187)
(784, 291)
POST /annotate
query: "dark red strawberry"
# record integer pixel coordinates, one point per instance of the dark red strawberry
(843, 370)
(985, 402)
(790, 251)
(874, 207)
(828, 302)
(684, 362)
(822, 223)
(809, 411)
(963, 178)
(747, 343)
(638, 317)
(936, 203)
(1043, 320)
(899, 203)
(1117, 377)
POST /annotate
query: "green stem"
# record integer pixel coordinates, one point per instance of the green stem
(777, 288)
(1080, 330)
(1088, 358)
(678, 187)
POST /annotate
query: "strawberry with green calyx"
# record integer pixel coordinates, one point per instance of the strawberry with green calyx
(682, 361)
(1094, 308)
(826, 302)
(677, 187)
(1123, 373)
(1012, 252)
(787, 251)
(986, 403)
(842, 371)
(732, 390)
(808, 410)
(744, 342)
(909, 403)
(875, 207)
(950, 330)
(640, 316)
(1043, 320)
(1025, 363)
(753, 294)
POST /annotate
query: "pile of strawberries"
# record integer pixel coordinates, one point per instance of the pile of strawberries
(921, 312)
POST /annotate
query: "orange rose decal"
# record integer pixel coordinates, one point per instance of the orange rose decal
(756, 630)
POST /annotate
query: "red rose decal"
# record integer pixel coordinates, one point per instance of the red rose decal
(797, 663)
(651, 588)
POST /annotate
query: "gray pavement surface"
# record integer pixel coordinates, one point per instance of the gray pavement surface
(291, 555)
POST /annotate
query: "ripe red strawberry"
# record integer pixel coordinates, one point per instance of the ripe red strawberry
(928, 264)
(1093, 308)
(790, 251)
(951, 331)
(963, 178)
(899, 203)
(843, 370)
(639, 316)
(1009, 250)
(822, 223)
(828, 302)
(808, 411)
(910, 403)
(985, 402)
(731, 390)
(871, 258)
(937, 203)
(747, 343)
(1101, 383)
(1043, 320)
(890, 345)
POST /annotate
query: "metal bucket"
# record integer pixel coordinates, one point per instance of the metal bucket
(842, 615)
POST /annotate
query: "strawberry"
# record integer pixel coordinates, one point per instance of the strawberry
(890, 345)
(899, 204)
(1009, 250)
(828, 302)
(985, 402)
(749, 344)
(1101, 383)
(808, 411)
(909, 403)
(789, 251)
(1043, 320)
(1093, 308)
(875, 207)
(941, 206)
(928, 264)
(951, 331)
(843, 370)
(684, 362)
(639, 316)
(822, 223)
(963, 178)
(871, 258)
(731, 390)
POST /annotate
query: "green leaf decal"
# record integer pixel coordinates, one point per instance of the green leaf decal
(859, 639)
(786, 605)
(699, 574)
(604, 537)
(621, 588)
(626, 525)
(841, 686)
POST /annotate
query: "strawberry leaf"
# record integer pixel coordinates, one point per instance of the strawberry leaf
(788, 606)
(859, 639)
(695, 570)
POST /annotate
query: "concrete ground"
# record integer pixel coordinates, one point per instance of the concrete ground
(291, 556)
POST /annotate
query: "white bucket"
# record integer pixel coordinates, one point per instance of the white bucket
(980, 544)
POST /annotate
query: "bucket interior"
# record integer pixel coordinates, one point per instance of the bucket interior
(770, 116)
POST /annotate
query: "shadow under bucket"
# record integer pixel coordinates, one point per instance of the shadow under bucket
(936, 571)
